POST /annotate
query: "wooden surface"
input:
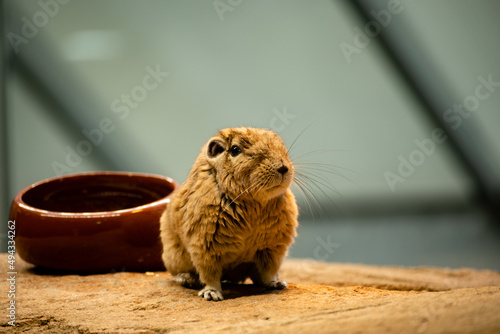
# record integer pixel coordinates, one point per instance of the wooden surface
(321, 298)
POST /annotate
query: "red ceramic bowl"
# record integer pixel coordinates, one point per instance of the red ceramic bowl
(92, 222)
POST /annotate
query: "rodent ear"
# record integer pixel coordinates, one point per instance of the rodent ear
(215, 147)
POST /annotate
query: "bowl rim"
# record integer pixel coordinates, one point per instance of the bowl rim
(18, 199)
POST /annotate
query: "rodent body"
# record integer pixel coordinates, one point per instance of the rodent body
(235, 216)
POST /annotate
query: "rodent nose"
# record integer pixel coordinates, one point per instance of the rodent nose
(283, 170)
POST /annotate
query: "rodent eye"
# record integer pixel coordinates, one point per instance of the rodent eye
(234, 150)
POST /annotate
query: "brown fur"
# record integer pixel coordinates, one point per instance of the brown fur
(235, 216)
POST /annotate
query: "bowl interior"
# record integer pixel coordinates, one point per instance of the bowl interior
(97, 193)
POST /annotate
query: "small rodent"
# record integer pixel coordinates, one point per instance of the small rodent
(234, 217)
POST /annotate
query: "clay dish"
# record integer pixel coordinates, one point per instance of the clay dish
(92, 222)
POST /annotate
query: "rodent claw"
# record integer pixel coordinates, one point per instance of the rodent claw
(277, 285)
(211, 294)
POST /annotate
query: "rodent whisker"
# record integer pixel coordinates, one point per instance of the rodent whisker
(241, 194)
(312, 180)
(318, 152)
(324, 168)
(310, 188)
(307, 194)
(248, 190)
(263, 183)
(289, 149)
(319, 182)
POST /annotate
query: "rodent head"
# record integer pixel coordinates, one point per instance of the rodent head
(249, 163)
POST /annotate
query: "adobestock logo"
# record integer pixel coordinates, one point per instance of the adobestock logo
(222, 7)
(95, 137)
(425, 148)
(373, 28)
(139, 93)
(281, 119)
(461, 111)
(453, 116)
(31, 27)
(325, 248)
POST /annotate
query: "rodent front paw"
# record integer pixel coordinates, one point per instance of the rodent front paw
(277, 285)
(211, 294)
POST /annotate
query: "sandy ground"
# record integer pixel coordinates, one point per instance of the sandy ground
(321, 298)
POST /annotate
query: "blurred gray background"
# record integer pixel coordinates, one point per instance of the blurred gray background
(366, 88)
